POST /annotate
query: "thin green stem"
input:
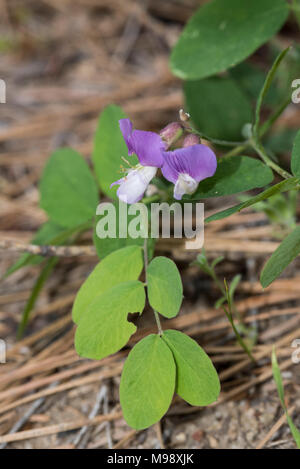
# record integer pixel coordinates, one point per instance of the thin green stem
(34, 295)
(156, 315)
(217, 281)
(158, 323)
(264, 90)
(257, 146)
(263, 129)
(236, 151)
(269, 122)
(231, 320)
(224, 143)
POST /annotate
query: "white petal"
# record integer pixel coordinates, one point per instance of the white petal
(133, 186)
(185, 184)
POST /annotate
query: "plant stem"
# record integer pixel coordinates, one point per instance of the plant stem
(229, 313)
(263, 130)
(225, 143)
(230, 319)
(257, 146)
(218, 283)
(269, 122)
(236, 151)
(160, 331)
(265, 88)
(34, 295)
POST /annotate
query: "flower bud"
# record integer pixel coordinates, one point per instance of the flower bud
(171, 133)
(184, 116)
(191, 140)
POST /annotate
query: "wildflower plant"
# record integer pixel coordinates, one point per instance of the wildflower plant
(222, 153)
(227, 293)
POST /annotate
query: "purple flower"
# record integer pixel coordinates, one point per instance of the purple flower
(186, 167)
(148, 147)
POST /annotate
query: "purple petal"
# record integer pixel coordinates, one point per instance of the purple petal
(118, 182)
(168, 171)
(148, 147)
(198, 161)
(126, 129)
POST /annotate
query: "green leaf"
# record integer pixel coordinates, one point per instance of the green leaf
(216, 261)
(105, 246)
(220, 302)
(68, 190)
(224, 213)
(120, 266)
(265, 89)
(234, 174)
(296, 7)
(222, 33)
(250, 78)
(46, 233)
(233, 286)
(103, 329)
(147, 382)
(164, 286)
(294, 430)
(202, 262)
(295, 163)
(207, 102)
(283, 186)
(281, 141)
(197, 381)
(109, 147)
(286, 252)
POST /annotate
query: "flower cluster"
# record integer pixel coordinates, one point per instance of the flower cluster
(184, 167)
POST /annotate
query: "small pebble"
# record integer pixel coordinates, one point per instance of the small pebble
(180, 438)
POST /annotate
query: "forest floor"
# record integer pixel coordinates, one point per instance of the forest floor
(61, 69)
